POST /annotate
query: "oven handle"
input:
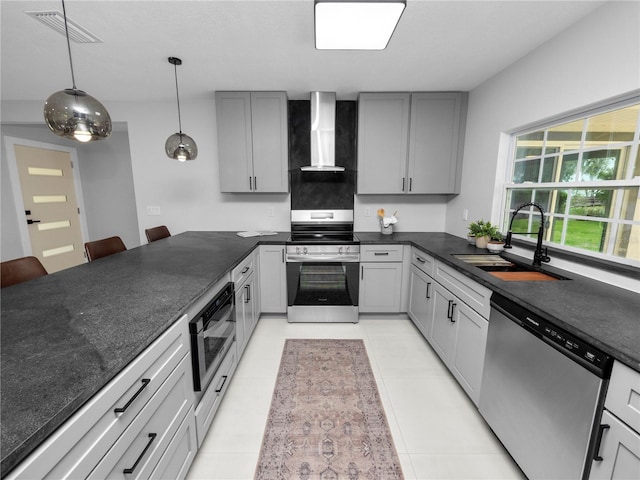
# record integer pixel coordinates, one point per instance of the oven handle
(323, 258)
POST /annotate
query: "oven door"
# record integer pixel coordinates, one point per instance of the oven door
(320, 291)
(212, 333)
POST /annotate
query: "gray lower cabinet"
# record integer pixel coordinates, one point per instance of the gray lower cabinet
(246, 301)
(273, 279)
(252, 142)
(380, 278)
(456, 331)
(137, 422)
(618, 456)
(410, 143)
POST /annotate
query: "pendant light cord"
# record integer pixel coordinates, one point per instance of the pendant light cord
(66, 29)
(175, 70)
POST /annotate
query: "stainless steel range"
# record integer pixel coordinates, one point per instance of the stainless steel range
(323, 260)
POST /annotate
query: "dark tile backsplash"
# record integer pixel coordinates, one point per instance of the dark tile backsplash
(322, 190)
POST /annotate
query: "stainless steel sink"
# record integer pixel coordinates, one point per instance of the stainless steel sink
(506, 269)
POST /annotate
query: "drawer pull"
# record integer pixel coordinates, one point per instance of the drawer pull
(152, 437)
(380, 253)
(145, 382)
(224, 380)
(421, 260)
(428, 288)
(601, 429)
(245, 270)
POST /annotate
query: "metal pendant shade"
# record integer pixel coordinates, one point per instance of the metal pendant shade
(180, 146)
(72, 113)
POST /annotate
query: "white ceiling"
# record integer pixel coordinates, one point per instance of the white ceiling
(266, 45)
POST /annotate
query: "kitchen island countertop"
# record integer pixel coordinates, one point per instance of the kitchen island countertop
(66, 335)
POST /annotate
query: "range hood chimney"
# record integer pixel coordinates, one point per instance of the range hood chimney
(323, 133)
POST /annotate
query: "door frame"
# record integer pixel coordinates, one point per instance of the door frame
(9, 143)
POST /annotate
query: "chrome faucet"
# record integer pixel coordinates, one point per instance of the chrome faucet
(540, 254)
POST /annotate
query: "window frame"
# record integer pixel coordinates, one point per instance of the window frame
(601, 260)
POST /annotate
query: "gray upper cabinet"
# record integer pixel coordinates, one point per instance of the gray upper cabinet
(411, 143)
(383, 134)
(252, 142)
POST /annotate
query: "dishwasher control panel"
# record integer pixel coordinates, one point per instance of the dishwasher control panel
(587, 355)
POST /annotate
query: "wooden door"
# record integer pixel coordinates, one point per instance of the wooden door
(51, 206)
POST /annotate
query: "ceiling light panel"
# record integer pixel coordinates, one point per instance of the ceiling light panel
(358, 25)
(55, 20)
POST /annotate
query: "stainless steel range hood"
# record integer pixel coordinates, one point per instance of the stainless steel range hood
(323, 133)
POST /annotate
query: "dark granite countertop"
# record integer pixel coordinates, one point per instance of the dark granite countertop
(64, 336)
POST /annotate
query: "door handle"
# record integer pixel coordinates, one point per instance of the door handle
(31, 222)
(410, 183)
(596, 452)
(450, 310)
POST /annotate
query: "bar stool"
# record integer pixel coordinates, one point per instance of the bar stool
(103, 248)
(157, 233)
(20, 270)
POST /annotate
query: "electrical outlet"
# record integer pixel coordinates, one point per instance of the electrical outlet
(152, 210)
(367, 212)
(465, 214)
(270, 211)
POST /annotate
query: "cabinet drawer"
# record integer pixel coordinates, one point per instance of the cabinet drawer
(242, 271)
(381, 253)
(78, 445)
(623, 395)
(180, 453)
(210, 401)
(469, 291)
(139, 449)
(619, 453)
(423, 261)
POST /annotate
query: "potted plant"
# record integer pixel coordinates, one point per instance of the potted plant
(496, 243)
(483, 232)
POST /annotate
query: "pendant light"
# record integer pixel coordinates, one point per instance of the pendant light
(180, 146)
(72, 113)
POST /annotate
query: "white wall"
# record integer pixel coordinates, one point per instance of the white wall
(596, 59)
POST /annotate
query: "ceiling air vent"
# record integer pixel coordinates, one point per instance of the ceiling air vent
(55, 20)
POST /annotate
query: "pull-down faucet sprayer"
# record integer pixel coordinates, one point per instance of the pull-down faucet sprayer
(540, 254)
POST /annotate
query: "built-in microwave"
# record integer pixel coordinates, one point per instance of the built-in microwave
(212, 333)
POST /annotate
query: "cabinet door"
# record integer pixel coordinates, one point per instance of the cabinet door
(383, 130)
(420, 301)
(443, 330)
(619, 452)
(380, 285)
(273, 279)
(270, 144)
(235, 156)
(436, 142)
(241, 321)
(467, 359)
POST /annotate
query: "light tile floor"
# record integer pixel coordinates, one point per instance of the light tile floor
(437, 430)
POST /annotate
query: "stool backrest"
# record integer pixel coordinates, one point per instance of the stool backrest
(103, 248)
(157, 233)
(20, 270)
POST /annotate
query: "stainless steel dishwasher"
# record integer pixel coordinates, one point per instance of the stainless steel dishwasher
(541, 391)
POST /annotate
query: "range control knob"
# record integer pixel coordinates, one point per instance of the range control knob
(304, 250)
(340, 250)
(297, 250)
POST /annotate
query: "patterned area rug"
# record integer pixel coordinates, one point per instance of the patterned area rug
(326, 420)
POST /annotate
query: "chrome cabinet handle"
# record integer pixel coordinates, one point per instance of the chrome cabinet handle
(145, 382)
(152, 437)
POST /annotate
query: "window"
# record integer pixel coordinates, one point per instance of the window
(585, 175)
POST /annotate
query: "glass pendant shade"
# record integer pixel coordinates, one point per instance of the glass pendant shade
(73, 114)
(181, 147)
